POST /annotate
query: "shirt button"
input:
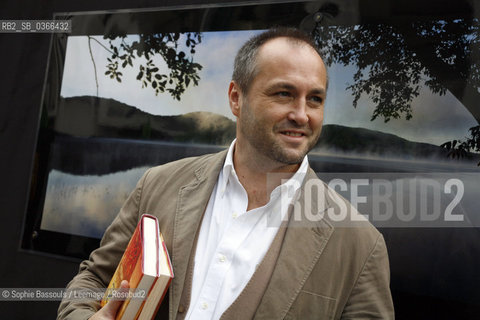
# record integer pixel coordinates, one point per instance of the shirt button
(235, 215)
(222, 258)
(204, 306)
(181, 309)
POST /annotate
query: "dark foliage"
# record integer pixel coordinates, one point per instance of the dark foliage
(393, 61)
(182, 70)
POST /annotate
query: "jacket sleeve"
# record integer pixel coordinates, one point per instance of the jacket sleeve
(370, 297)
(97, 271)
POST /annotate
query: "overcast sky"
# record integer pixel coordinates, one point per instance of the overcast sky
(436, 119)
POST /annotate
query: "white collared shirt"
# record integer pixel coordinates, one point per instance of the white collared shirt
(232, 242)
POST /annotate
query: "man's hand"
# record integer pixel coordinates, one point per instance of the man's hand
(109, 311)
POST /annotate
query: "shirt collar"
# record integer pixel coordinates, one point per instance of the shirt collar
(229, 170)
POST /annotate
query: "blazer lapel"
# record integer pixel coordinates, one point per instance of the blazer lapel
(302, 247)
(191, 204)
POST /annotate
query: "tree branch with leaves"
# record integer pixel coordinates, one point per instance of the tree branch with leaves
(181, 71)
(393, 61)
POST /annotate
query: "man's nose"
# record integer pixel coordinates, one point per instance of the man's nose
(298, 114)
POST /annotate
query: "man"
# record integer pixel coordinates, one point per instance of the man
(221, 215)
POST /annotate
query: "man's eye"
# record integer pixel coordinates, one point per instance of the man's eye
(283, 94)
(316, 99)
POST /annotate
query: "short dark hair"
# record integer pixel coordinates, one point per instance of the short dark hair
(245, 65)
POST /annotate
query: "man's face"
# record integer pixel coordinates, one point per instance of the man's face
(281, 117)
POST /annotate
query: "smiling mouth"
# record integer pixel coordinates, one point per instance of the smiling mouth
(293, 134)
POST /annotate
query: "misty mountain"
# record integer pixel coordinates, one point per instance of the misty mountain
(361, 141)
(88, 116)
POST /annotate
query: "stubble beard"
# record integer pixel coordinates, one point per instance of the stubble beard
(265, 143)
(282, 155)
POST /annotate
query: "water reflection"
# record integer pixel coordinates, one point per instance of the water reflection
(86, 205)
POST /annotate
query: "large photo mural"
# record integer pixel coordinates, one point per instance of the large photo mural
(128, 103)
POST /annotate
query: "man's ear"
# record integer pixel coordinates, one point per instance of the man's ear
(234, 98)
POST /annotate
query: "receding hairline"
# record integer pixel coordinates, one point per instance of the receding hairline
(294, 42)
(291, 40)
(245, 63)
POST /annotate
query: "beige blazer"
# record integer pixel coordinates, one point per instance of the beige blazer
(325, 269)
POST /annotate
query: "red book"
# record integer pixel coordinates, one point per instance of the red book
(147, 267)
